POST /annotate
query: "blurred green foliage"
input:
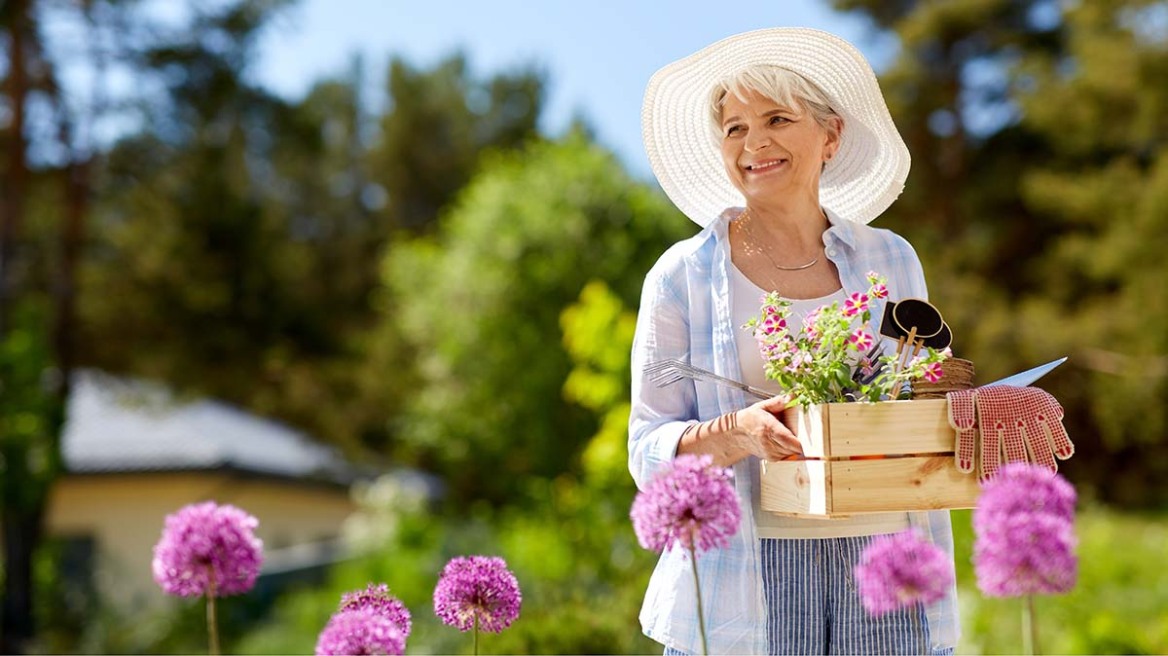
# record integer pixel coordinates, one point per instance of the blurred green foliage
(479, 305)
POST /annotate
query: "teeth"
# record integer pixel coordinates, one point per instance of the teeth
(760, 167)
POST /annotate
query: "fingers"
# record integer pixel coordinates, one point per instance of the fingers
(1059, 440)
(785, 440)
(768, 437)
(775, 441)
(963, 420)
(966, 439)
(775, 404)
(991, 452)
(1053, 436)
(1039, 446)
(1011, 431)
(1050, 417)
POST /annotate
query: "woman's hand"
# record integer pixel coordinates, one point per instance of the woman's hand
(760, 431)
(754, 431)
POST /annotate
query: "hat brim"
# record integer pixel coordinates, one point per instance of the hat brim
(862, 179)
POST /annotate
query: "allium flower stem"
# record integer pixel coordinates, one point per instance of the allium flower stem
(212, 625)
(1029, 627)
(476, 636)
(693, 561)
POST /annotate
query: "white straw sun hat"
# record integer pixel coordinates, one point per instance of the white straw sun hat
(866, 174)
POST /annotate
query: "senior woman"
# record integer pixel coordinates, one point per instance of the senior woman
(779, 144)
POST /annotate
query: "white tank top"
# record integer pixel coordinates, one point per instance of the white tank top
(746, 301)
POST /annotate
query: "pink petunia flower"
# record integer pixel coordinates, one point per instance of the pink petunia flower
(772, 324)
(933, 372)
(855, 304)
(861, 340)
(799, 360)
(867, 367)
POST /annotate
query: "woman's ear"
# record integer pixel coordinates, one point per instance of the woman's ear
(835, 130)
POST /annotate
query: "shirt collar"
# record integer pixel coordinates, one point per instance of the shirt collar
(841, 229)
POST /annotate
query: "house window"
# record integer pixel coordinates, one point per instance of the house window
(77, 562)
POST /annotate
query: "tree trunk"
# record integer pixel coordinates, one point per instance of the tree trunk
(21, 528)
(15, 182)
(19, 520)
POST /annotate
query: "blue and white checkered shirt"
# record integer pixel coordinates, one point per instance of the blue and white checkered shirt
(685, 313)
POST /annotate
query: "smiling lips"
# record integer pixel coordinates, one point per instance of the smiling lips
(764, 166)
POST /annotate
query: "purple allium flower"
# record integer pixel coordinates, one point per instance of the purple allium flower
(378, 599)
(1026, 553)
(1021, 487)
(363, 631)
(204, 540)
(692, 503)
(1024, 533)
(901, 570)
(477, 588)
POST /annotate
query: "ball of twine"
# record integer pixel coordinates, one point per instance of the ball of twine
(956, 374)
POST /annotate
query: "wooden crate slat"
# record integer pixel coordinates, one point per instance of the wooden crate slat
(925, 483)
(891, 427)
(795, 487)
(812, 427)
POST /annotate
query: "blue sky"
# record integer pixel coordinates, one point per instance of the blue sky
(597, 55)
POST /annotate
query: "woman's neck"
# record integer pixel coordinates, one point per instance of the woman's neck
(789, 224)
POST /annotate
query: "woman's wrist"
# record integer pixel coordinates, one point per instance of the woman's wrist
(720, 437)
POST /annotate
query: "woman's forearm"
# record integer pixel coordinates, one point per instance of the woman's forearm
(717, 437)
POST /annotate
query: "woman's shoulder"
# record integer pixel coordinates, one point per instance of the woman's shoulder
(869, 238)
(689, 252)
(893, 256)
(686, 261)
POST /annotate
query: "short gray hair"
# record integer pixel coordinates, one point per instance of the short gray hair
(781, 85)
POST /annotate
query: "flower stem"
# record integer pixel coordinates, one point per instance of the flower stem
(476, 635)
(1029, 627)
(212, 626)
(693, 561)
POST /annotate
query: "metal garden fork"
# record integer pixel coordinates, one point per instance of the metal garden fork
(667, 372)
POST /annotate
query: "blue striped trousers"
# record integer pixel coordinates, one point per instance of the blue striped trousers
(813, 605)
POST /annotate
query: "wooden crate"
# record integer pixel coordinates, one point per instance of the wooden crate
(869, 457)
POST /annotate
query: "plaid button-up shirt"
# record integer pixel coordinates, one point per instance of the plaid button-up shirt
(685, 314)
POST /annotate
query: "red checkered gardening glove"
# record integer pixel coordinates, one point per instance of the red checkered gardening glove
(1024, 421)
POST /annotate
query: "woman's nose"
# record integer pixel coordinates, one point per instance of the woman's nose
(756, 141)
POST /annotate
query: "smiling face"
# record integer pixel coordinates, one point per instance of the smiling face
(772, 151)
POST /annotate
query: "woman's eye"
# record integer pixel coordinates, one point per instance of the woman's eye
(733, 129)
(776, 120)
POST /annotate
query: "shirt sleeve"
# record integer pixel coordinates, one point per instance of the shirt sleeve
(659, 415)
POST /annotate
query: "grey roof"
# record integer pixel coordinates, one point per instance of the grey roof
(117, 425)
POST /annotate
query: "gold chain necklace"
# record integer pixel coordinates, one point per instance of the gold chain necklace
(766, 249)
